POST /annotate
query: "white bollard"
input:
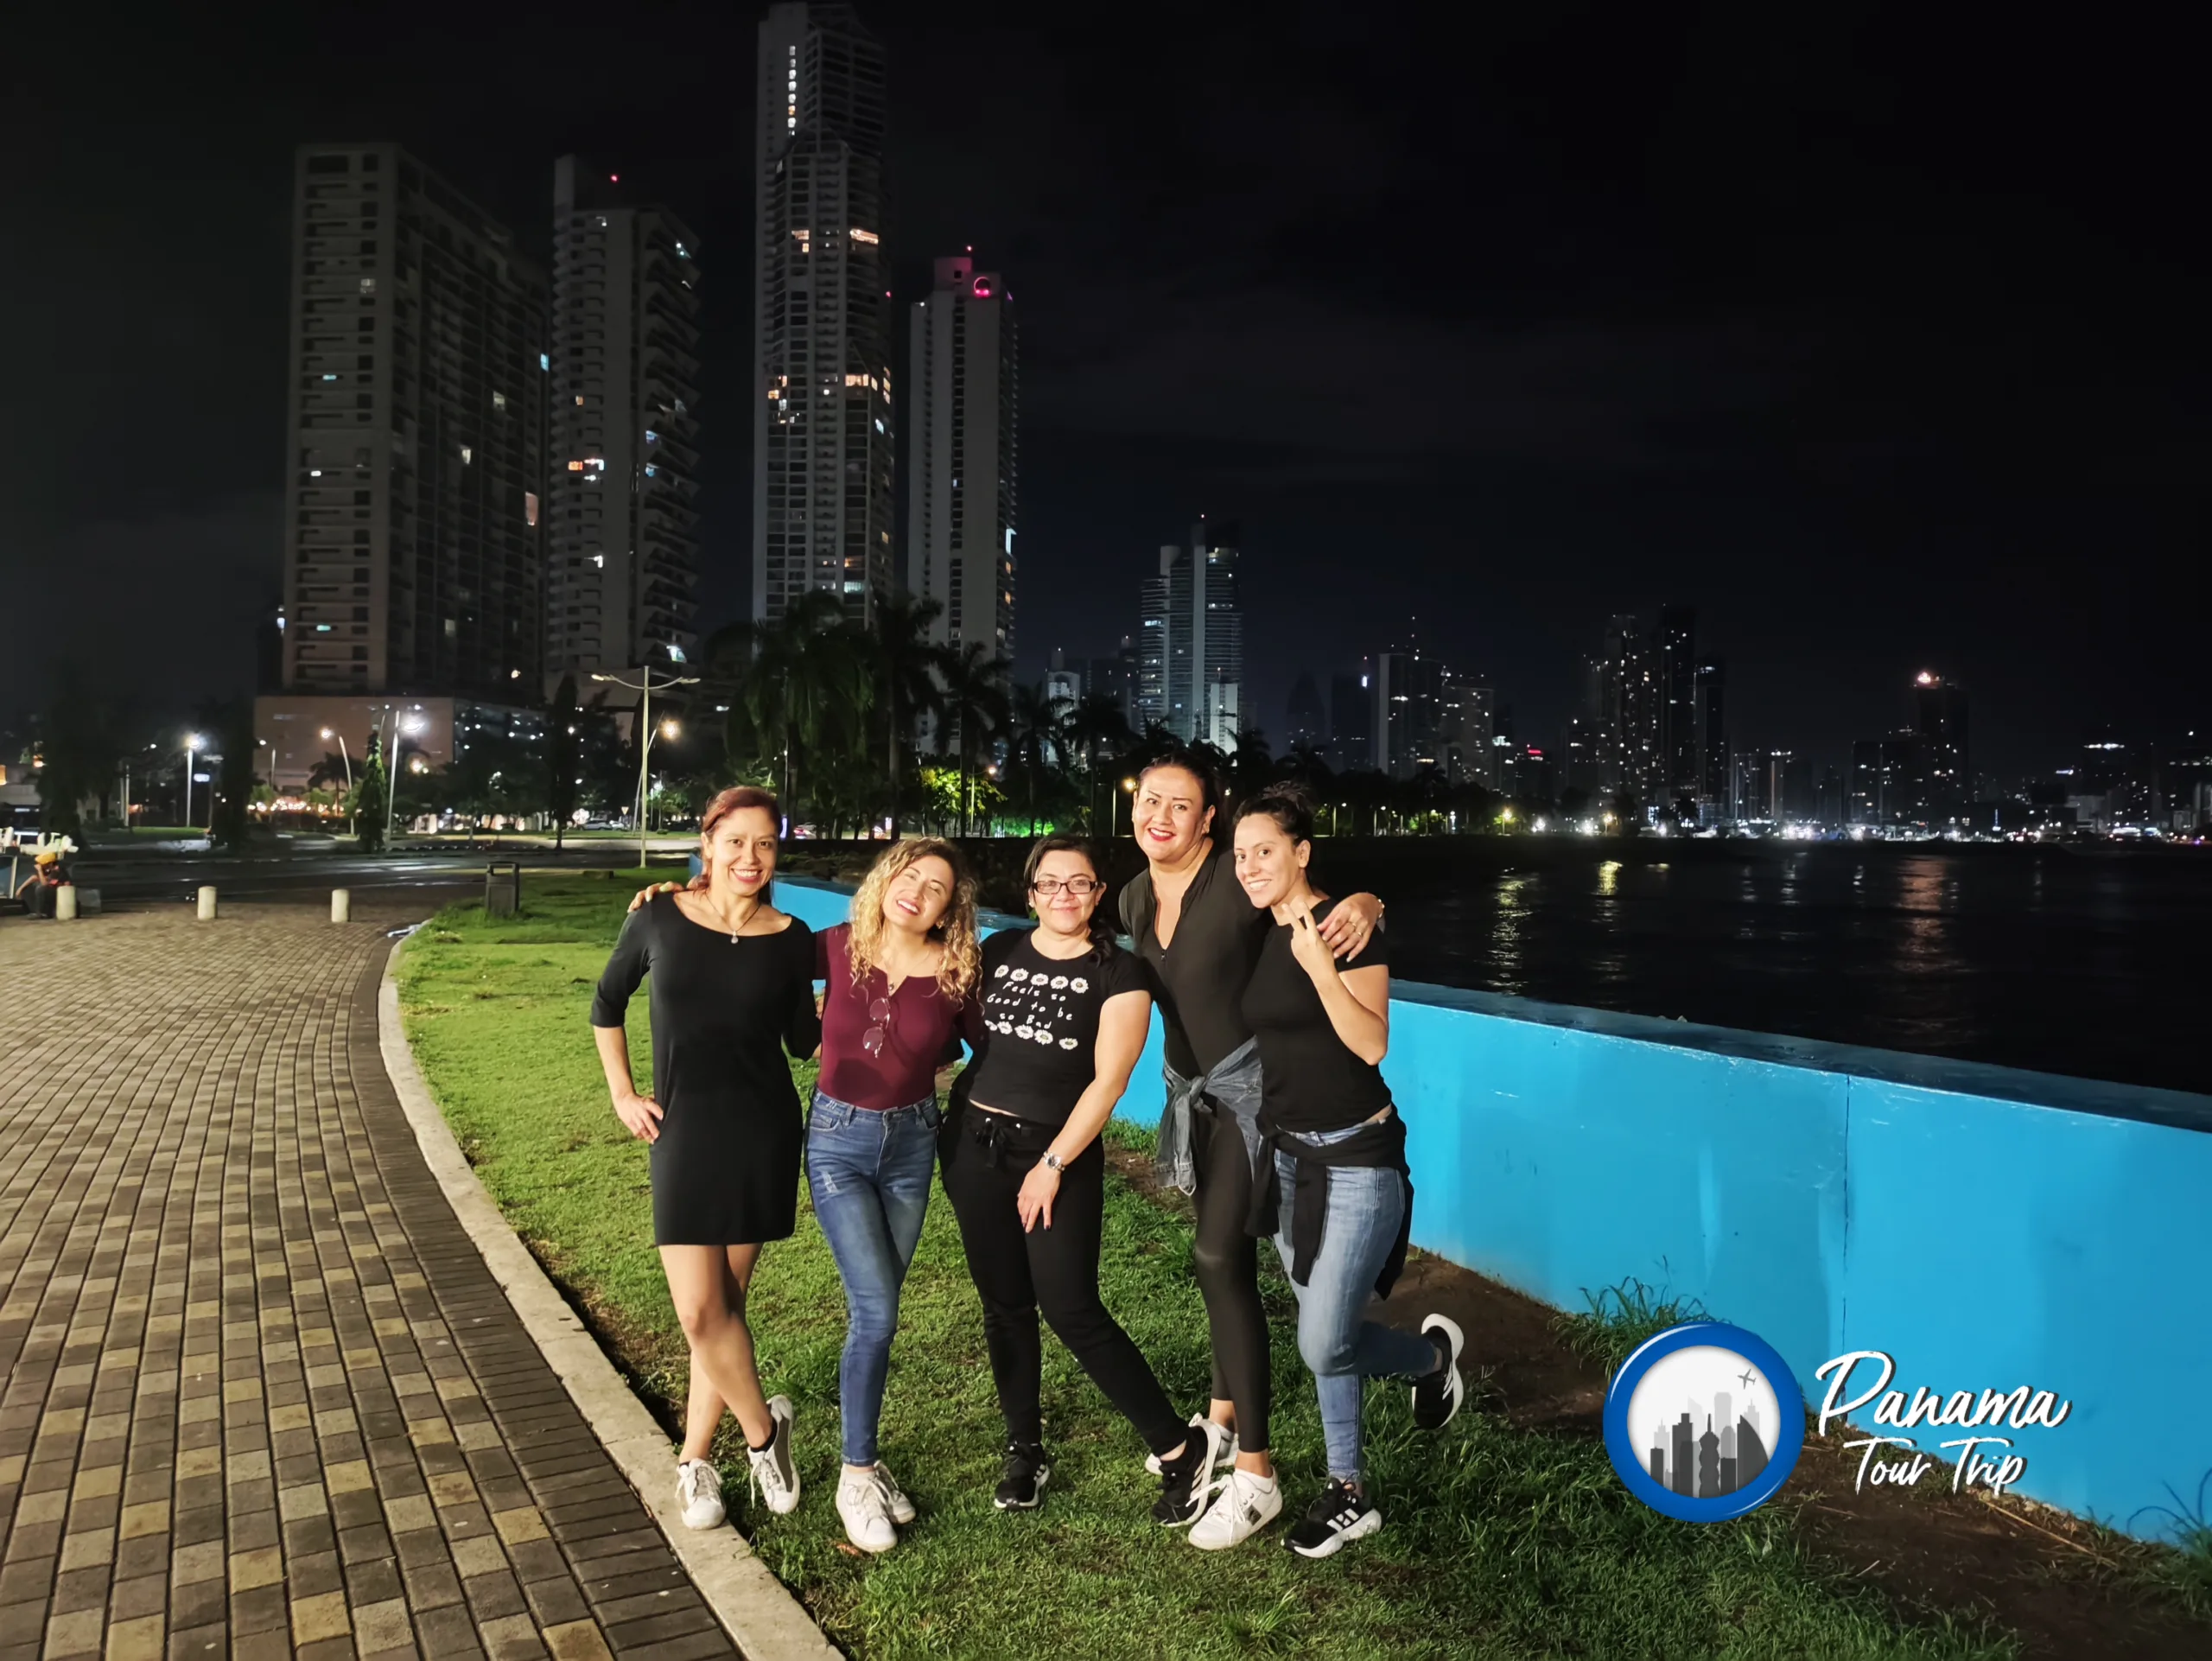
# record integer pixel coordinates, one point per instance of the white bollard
(207, 904)
(64, 903)
(341, 905)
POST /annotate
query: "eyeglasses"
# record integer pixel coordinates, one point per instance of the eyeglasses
(1080, 887)
(872, 1039)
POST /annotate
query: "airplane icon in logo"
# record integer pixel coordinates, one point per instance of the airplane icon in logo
(1747, 1379)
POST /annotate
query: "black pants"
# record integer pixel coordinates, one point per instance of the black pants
(1227, 1261)
(1054, 1269)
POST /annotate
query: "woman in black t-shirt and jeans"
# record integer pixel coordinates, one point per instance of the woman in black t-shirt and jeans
(1330, 1182)
(1064, 1015)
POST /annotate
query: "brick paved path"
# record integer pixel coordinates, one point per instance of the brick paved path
(263, 1397)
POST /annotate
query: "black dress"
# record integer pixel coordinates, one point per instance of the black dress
(726, 1166)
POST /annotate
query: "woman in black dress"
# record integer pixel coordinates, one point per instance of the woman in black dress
(733, 990)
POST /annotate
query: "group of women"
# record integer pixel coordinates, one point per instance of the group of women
(1275, 1002)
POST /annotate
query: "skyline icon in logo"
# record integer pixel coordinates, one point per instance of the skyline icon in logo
(1704, 1421)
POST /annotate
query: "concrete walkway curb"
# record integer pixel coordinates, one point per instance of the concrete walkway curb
(767, 1623)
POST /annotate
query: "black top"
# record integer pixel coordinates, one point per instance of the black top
(1040, 1024)
(1199, 976)
(725, 1167)
(1310, 1081)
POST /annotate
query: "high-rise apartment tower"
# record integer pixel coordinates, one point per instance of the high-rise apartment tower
(414, 552)
(623, 557)
(822, 409)
(1193, 629)
(961, 404)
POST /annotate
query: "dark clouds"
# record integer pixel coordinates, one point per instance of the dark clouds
(1871, 337)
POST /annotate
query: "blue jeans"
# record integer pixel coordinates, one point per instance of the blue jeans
(1339, 1344)
(869, 1176)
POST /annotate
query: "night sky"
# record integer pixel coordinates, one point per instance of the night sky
(1879, 346)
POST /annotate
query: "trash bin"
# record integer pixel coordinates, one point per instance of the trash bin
(502, 888)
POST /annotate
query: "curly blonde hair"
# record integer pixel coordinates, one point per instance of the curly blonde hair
(962, 968)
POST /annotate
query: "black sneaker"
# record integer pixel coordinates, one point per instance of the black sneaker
(1184, 1479)
(1341, 1513)
(1021, 1488)
(1437, 1397)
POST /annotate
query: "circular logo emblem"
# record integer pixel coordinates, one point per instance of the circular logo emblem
(1704, 1421)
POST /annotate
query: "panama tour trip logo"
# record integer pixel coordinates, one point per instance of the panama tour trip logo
(1704, 1421)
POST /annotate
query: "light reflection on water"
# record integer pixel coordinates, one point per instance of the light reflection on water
(2042, 958)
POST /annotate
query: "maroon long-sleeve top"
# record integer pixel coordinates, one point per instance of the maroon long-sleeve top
(924, 1031)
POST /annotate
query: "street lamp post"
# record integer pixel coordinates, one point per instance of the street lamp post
(645, 728)
(191, 749)
(344, 756)
(414, 724)
(1114, 810)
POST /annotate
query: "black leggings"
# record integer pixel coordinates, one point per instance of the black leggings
(1227, 1260)
(1053, 1268)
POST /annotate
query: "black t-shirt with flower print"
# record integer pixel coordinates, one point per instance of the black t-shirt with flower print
(1040, 1024)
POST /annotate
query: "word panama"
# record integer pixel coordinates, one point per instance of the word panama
(2018, 1409)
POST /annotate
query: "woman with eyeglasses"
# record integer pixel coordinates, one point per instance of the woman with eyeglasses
(1199, 937)
(733, 992)
(1065, 1015)
(898, 986)
(899, 979)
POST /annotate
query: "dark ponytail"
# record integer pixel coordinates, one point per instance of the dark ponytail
(1287, 802)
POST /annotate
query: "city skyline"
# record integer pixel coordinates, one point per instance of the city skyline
(1842, 471)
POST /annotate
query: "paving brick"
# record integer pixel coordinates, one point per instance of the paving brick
(260, 1396)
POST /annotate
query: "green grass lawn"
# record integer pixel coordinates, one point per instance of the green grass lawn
(1497, 1542)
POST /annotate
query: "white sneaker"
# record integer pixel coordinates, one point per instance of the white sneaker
(866, 1508)
(1243, 1504)
(902, 1509)
(1225, 1446)
(775, 1477)
(699, 1491)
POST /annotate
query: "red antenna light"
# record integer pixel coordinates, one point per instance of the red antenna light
(614, 178)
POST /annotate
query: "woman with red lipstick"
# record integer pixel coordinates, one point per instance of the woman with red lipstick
(733, 991)
(1199, 937)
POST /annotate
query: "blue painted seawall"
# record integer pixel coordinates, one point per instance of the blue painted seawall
(1985, 1227)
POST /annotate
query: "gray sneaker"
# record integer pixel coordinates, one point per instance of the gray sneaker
(699, 1491)
(902, 1509)
(775, 1477)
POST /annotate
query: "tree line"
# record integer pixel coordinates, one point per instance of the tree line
(856, 726)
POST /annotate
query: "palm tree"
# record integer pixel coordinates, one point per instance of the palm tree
(1097, 724)
(975, 705)
(805, 682)
(904, 664)
(1038, 727)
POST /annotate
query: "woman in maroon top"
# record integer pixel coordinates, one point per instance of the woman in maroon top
(898, 978)
(900, 983)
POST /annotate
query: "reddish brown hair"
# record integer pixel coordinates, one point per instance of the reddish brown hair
(736, 799)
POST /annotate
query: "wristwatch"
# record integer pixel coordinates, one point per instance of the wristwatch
(1054, 1163)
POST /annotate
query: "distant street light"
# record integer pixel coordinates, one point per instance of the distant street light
(1113, 811)
(192, 744)
(644, 727)
(410, 724)
(347, 759)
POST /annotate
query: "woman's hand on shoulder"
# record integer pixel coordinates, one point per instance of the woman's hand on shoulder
(1349, 927)
(647, 895)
